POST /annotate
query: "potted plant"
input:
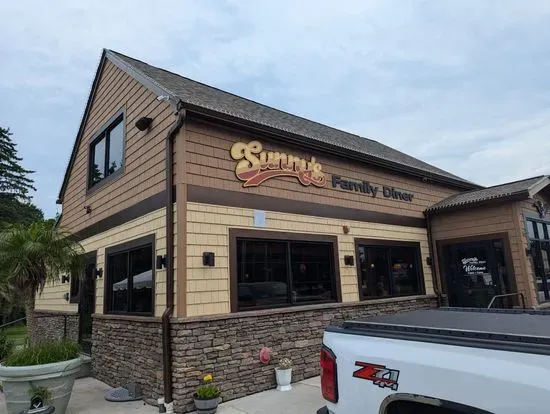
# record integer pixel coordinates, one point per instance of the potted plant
(48, 369)
(207, 396)
(31, 256)
(283, 373)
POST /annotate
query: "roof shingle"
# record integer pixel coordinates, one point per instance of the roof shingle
(506, 190)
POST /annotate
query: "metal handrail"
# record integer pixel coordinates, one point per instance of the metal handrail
(12, 322)
(506, 295)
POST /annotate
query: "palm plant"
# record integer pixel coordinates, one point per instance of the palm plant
(33, 255)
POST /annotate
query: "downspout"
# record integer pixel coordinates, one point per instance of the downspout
(167, 314)
(435, 279)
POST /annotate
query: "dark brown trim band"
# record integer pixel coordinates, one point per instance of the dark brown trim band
(276, 235)
(146, 206)
(208, 195)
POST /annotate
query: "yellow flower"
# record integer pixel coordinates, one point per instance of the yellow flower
(207, 378)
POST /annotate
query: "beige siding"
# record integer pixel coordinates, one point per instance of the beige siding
(144, 160)
(208, 289)
(152, 223)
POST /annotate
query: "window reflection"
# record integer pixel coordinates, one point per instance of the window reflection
(278, 273)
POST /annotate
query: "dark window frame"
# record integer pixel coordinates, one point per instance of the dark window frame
(103, 132)
(235, 234)
(389, 243)
(546, 227)
(123, 248)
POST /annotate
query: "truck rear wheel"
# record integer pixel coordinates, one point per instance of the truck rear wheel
(412, 407)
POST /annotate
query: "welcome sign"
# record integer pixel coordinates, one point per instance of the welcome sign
(256, 166)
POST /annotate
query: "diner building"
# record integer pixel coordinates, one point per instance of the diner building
(213, 226)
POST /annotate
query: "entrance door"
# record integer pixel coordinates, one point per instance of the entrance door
(541, 259)
(86, 305)
(475, 272)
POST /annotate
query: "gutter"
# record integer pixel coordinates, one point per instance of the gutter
(166, 315)
(435, 279)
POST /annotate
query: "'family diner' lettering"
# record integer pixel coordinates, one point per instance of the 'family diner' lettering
(366, 188)
(256, 166)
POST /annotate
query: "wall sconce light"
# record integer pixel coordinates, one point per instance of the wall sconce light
(348, 260)
(429, 261)
(65, 279)
(98, 273)
(208, 259)
(161, 262)
(88, 209)
(345, 229)
(143, 123)
(66, 296)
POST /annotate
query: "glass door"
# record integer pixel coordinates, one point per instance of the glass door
(474, 272)
(541, 260)
(86, 305)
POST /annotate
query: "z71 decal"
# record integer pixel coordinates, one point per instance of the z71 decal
(378, 374)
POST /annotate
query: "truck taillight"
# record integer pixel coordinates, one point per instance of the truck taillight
(329, 381)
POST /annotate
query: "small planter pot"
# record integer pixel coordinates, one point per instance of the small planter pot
(206, 406)
(284, 378)
(58, 378)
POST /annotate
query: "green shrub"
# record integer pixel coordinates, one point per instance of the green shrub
(46, 353)
(6, 345)
(207, 390)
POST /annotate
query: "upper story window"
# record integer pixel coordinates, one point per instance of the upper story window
(107, 152)
(538, 230)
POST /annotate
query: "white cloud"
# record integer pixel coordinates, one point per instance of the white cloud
(461, 84)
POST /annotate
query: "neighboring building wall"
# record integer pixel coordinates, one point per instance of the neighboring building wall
(152, 223)
(210, 165)
(228, 346)
(480, 221)
(527, 264)
(208, 290)
(144, 161)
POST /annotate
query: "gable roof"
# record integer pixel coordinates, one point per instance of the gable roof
(516, 190)
(207, 100)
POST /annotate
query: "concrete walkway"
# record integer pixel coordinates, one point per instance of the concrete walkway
(305, 398)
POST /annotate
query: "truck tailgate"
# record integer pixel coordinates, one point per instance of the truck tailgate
(373, 370)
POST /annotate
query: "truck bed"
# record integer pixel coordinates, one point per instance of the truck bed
(507, 330)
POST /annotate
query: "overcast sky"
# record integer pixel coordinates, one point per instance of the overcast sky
(464, 85)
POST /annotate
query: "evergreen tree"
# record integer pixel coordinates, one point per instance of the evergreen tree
(13, 177)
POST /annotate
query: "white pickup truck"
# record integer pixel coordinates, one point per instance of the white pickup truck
(440, 361)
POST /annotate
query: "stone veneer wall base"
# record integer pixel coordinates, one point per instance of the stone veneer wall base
(129, 349)
(55, 326)
(228, 346)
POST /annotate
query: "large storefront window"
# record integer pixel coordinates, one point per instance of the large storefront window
(474, 272)
(393, 269)
(274, 273)
(539, 241)
(129, 280)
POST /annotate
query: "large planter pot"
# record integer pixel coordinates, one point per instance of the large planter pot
(58, 378)
(284, 378)
(206, 406)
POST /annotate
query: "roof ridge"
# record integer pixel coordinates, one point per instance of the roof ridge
(250, 100)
